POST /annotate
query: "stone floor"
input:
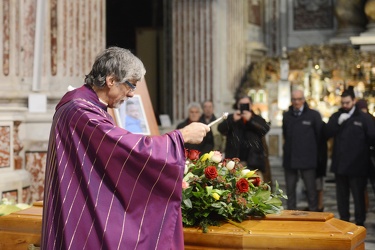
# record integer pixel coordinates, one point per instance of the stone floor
(329, 200)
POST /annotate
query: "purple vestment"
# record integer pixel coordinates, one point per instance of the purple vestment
(107, 188)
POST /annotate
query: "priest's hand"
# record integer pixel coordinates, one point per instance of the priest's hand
(194, 132)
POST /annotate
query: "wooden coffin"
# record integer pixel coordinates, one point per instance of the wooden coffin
(288, 230)
(21, 229)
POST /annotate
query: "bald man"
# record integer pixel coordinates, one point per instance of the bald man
(302, 130)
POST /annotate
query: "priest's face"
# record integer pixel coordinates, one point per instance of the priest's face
(118, 93)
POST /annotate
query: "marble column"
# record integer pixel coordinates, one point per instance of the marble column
(73, 33)
(370, 14)
(351, 19)
(208, 53)
(17, 146)
(366, 40)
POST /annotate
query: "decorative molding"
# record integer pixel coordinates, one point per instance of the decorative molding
(6, 147)
(74, 33)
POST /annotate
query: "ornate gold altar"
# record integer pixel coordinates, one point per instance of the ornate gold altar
(288, 230)
(322, 71)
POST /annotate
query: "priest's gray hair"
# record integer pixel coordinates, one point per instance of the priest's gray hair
(117, 62)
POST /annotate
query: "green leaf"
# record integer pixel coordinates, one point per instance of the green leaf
(275, 201)
(188, 203)
(217, 205)
(263, 195)
(209, 189)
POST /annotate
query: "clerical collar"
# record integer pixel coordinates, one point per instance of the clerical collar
(106, 104)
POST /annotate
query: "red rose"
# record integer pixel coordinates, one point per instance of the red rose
(210, 172)
(242, 185)
(186, 153)
(256, 181)
(193, 154)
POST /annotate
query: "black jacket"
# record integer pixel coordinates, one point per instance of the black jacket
(352, 140)
(302, 135)
(205, 146)
(244, 140)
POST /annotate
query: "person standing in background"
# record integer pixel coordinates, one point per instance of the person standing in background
(207, 117)
(194, 113)
(302, 130)
(208, 112)
(244, 131)
(321, 170)
(353, 133)
(362, 105)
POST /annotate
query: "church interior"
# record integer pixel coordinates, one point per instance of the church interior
(192, 50)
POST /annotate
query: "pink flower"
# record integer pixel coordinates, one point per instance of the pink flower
(216, 157)
(185, 184)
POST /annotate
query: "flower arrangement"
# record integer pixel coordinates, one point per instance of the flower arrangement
(217, 190)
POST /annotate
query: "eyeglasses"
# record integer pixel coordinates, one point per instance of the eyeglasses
(297, 99)
(131, 85)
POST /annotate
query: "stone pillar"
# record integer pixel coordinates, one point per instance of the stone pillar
(366, 40)
(17, 146)
(351, 19)
(74, 32)
(370, 14)
(15, 181)
(208, 54)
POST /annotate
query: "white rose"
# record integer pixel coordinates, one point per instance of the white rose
(186, 167)
(245, 172)
(230, 165)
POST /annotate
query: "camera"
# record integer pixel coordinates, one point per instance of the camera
(244, 106)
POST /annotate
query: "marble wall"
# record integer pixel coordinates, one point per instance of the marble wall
(71, 33)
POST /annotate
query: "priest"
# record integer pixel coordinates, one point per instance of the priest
(105, 187)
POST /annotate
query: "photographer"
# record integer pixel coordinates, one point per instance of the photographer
(244, 131)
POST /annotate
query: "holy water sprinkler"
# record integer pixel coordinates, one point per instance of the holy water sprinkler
(224, 116)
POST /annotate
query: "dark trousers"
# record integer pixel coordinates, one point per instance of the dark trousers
(309, 179)
(357, 185)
